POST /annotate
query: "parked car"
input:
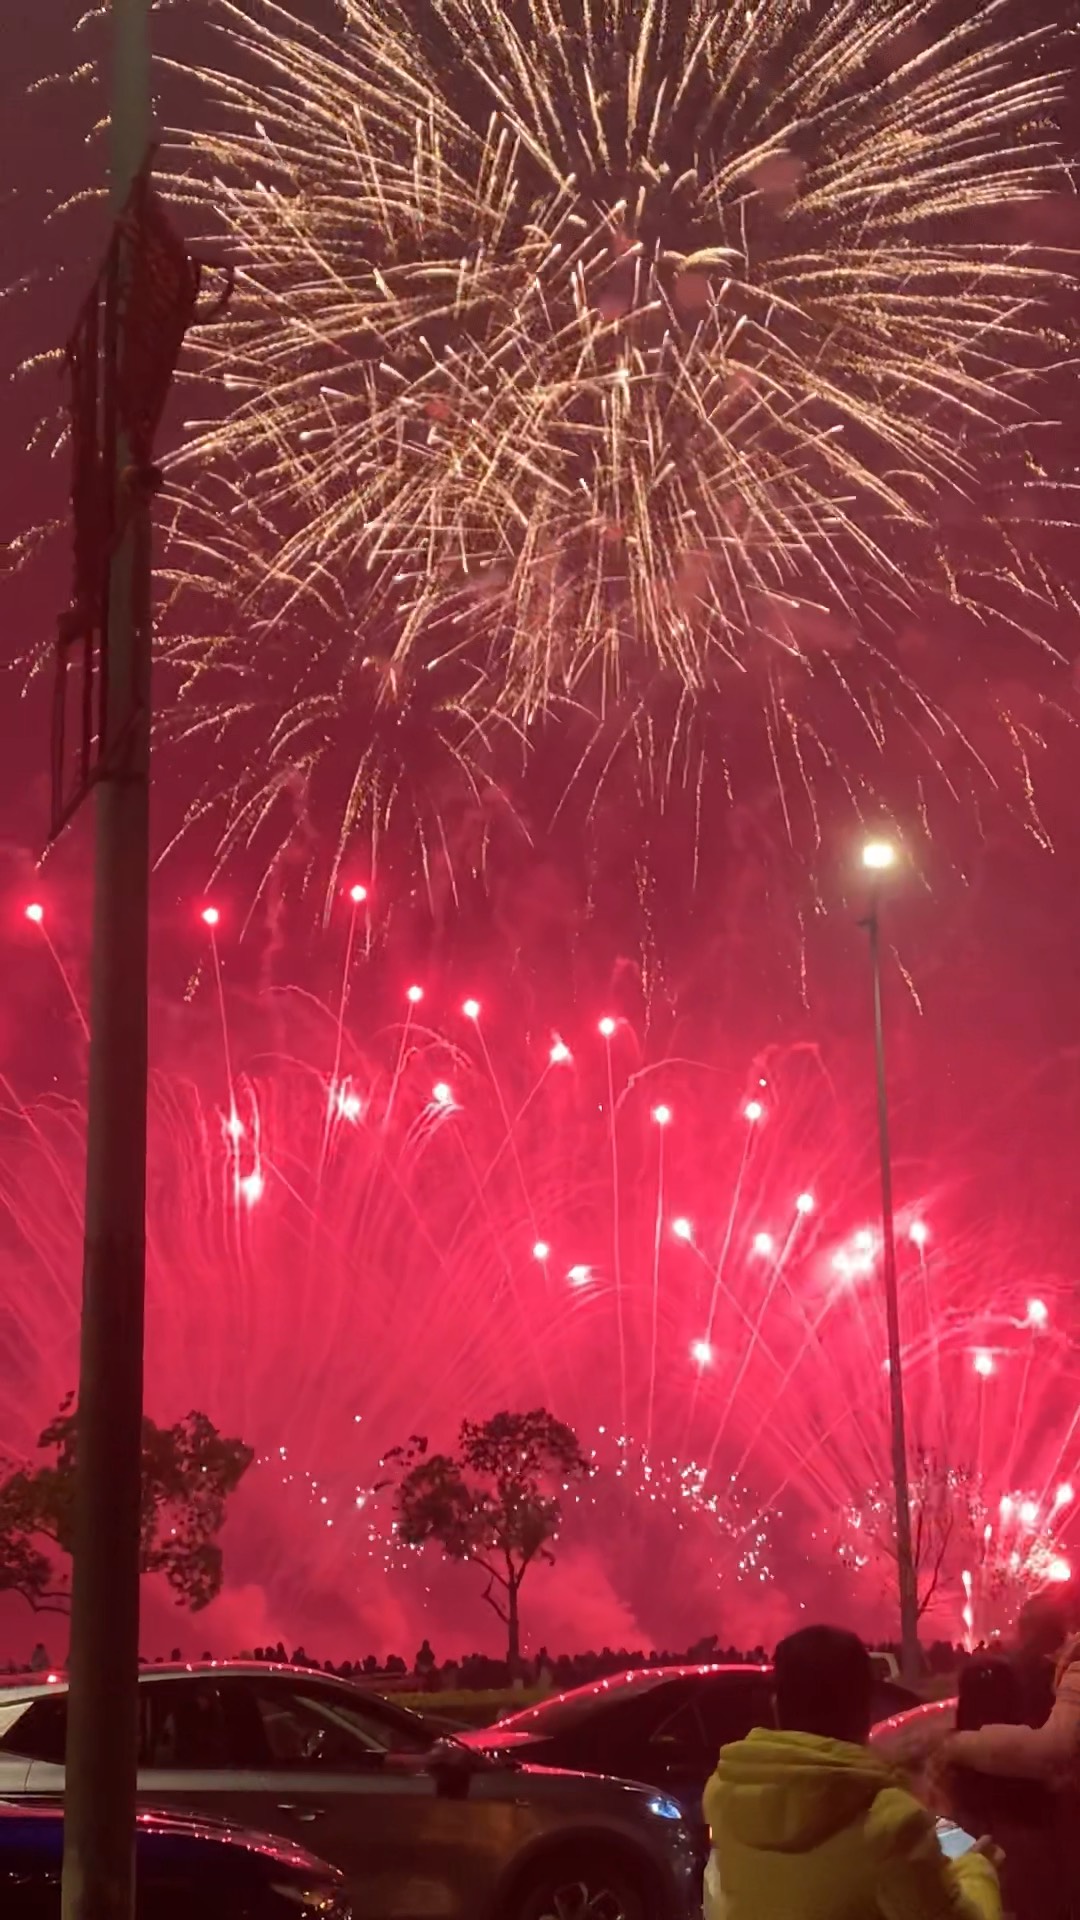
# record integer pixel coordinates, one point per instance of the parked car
(419, 1830)
(911, 1738)
(662, 1725)
(182, 1867)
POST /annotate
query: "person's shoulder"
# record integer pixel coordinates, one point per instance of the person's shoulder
(1068, 1687)
(897, 1821)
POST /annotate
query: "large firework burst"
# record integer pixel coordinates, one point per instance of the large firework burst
(592, 343)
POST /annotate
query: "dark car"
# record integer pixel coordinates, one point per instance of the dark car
(419, 1830)
(183, 1867)
(662, 1725)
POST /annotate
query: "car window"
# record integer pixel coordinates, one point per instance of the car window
(182, 1726)
(681, 1731)
(35, 1729)
(729, 1708)
(566, 1711)
(305, 1727)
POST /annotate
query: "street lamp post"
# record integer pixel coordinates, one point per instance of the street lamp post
(879, 856)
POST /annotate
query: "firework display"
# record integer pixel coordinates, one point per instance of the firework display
(642, 367)
(456, 1214)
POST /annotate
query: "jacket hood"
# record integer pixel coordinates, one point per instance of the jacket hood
(790, 1792)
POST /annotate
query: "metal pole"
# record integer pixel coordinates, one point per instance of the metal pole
(102, 1749)
(905, 1564)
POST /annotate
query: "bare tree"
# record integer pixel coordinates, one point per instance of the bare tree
(948, 1514)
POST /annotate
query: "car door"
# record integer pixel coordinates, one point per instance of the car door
(305, 1761)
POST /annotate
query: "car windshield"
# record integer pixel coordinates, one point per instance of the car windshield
(568, 1710)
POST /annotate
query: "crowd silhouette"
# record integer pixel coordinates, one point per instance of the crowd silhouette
(481, 1673)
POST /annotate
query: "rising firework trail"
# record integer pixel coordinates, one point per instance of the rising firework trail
(359, 1231)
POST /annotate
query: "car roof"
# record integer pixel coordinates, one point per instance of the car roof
(646, 1679)
(30, 1686)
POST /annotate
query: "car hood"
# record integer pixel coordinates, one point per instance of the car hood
(151, 1820)
(497, 1739)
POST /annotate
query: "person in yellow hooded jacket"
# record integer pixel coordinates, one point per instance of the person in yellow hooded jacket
(808, 1823)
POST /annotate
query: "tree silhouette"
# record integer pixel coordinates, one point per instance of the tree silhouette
(947, 1517)
(189, 1472)
(495, 1503)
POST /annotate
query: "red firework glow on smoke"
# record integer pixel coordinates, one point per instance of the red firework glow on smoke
(356, 1235)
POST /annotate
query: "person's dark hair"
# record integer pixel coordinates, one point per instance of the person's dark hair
(824, 1681)
(988, 1696)
(1043, 1625)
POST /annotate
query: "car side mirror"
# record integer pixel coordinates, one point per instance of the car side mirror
(451, 1767)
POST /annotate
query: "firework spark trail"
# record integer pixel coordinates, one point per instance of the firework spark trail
(575, 343)
(452, 1247)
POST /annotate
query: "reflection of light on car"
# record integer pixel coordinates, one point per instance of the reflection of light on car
(910, 1739)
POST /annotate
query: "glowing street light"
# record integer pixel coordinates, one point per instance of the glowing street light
(878, 859)
(805, 1203)
(580, 1275)
(414, 995)
(983, 1363)
(878, 856)
(701, 1353)
(35, 912)
(560, 1052)
(682, 1228)
(606, 1026)
(918, 1233)
(210, 916)
(662, 1116)
(541, 1250)
(357, 895)
(753, 1111)
(763, 1244)
(471, 1009)
(1038, 1314)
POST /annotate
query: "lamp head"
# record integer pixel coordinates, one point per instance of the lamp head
(878, 856)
